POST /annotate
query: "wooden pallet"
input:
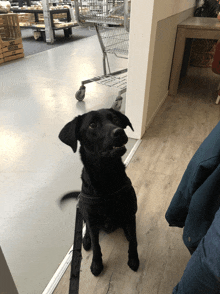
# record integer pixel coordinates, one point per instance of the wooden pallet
(11, 49)
(13, 57)
(10, 42)
(12, 53)
(1, 54)
(11, 46)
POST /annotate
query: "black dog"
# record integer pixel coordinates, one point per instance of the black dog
(107, 199)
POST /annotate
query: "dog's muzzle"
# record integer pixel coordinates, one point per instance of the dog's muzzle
(118, 132)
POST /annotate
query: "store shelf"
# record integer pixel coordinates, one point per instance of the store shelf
(39, 26)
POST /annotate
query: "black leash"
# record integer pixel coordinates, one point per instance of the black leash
(77, 255)
(77, 244)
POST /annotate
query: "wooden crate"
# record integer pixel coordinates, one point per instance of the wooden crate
(11, 46)
(10, 28)
(12, 49)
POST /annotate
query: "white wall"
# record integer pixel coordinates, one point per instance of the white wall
(144, 18)
(164, 9)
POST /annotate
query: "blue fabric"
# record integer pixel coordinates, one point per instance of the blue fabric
(198, 196)
(202, 274)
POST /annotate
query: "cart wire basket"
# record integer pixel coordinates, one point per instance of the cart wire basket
(113, 12)
(111, 21)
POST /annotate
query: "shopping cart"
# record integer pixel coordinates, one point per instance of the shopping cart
(111, 21)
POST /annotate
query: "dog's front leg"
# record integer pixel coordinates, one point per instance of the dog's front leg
(130, 233)
(87, 240)
(96, 266)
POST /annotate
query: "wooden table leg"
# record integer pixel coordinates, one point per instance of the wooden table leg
(177, 61)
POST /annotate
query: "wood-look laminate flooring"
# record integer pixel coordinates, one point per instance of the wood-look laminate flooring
(178, 129)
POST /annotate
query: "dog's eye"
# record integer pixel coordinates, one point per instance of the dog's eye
(93, 125)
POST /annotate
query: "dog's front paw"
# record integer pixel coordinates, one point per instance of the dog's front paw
(87, 242)
(96, 267)
(133, 263)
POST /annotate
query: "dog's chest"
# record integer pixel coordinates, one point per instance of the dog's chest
(109, 211)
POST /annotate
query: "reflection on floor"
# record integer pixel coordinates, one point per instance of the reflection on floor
(37, 100)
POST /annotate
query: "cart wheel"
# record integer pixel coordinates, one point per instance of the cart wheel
(117, 103)
(80, 94)
(37, 35)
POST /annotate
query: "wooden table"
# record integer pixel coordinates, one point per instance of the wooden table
(193, 27)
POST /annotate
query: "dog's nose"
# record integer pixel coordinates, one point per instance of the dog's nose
(117, 132)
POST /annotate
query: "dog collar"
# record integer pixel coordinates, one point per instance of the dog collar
(90, 199)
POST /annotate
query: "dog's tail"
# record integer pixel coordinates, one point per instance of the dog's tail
(70, 195)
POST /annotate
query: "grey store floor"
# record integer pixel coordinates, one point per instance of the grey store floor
(37, 99)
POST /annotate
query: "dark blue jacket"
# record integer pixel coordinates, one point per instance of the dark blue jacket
(198, 196)
(202, 274)
(196, 207)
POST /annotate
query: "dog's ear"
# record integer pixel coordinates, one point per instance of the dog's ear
(123, 118)
(70, 133)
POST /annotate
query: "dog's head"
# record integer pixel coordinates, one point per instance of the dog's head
(100, 132)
